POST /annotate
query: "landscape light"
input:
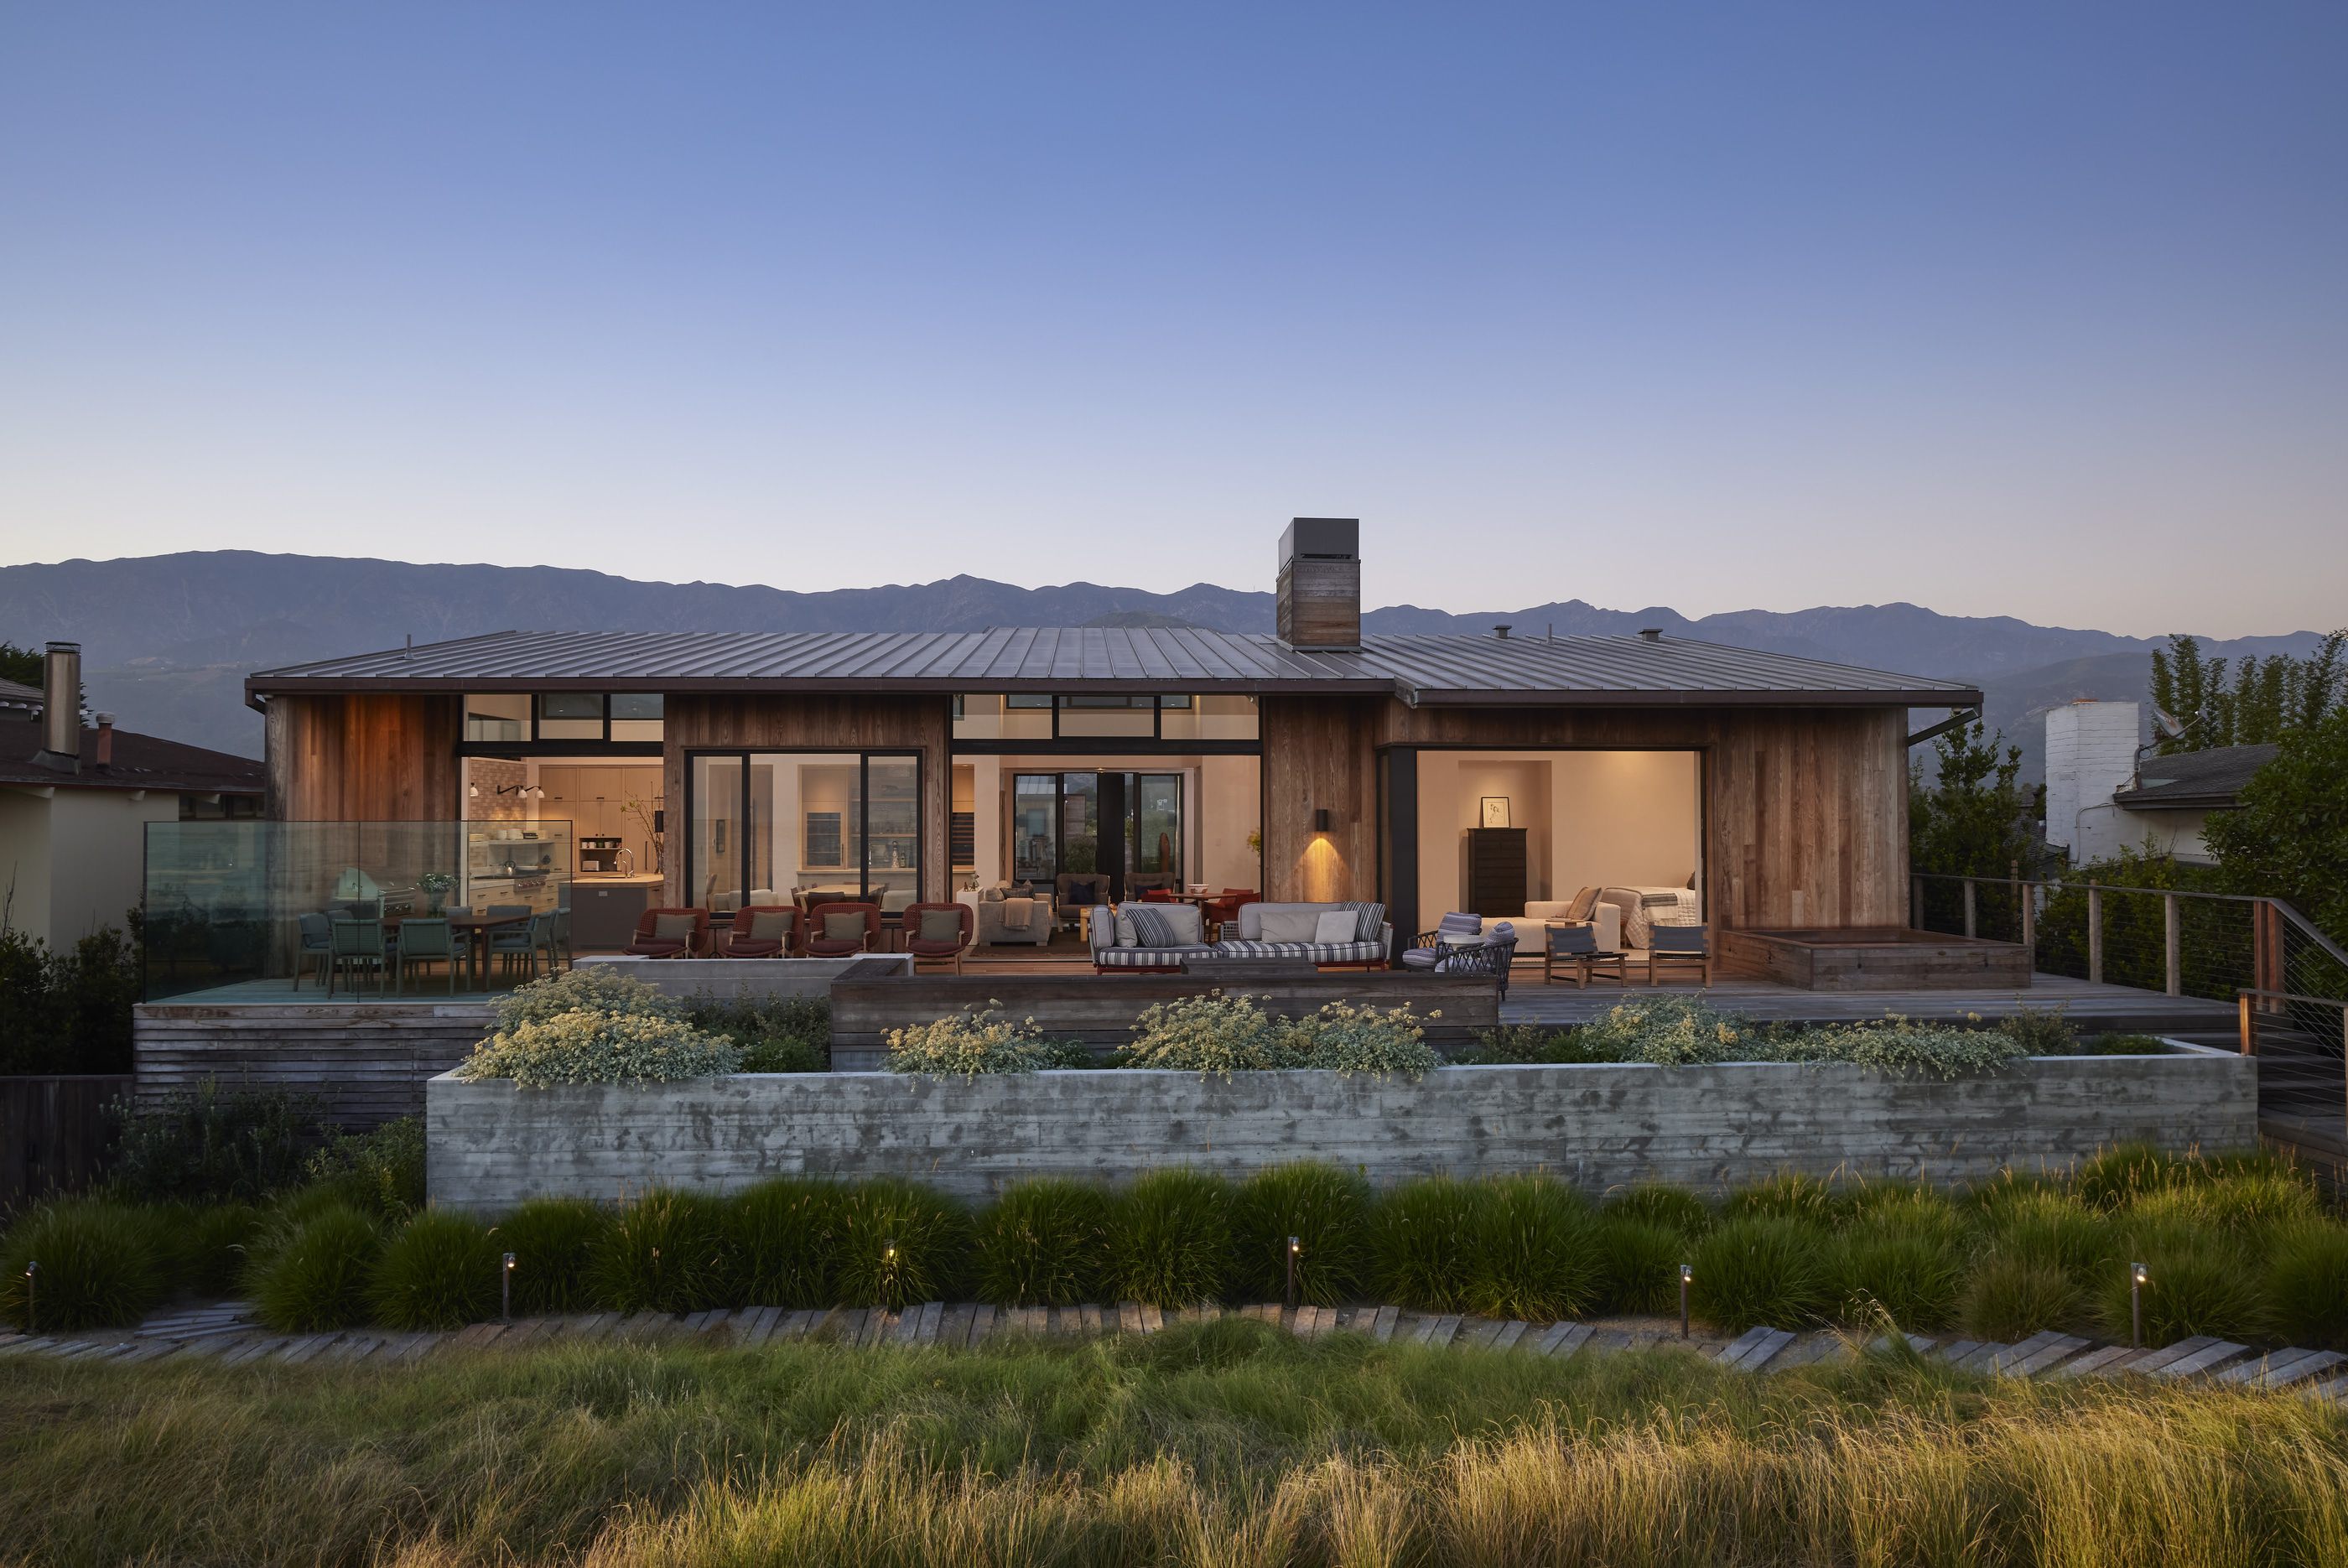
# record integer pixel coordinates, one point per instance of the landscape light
(505, 1289)
(1687, 1273)
(32, 1286)
(2138, 1279)
(1295, 1246)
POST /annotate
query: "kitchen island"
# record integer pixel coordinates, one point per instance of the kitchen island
(605, 907)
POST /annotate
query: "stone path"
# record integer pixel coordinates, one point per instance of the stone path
(225, 1332)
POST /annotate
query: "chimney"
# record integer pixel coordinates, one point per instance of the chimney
(61, 708)
(1321, 584)
(1652, 634)
(105, 741)
(1502, 631)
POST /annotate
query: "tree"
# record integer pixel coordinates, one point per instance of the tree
(2290, 837)
(2268, 699)
(1975, 818)
(26, 667)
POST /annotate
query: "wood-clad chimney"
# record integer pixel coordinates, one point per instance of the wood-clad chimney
(1321, 583)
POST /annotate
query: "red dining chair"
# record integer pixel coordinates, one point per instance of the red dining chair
(820, 943)
(663, 934)
(763, 930)
(939, 949)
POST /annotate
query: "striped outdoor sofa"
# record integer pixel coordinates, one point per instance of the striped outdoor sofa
(1373, 939)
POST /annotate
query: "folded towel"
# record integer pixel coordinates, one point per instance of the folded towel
(1018, 914)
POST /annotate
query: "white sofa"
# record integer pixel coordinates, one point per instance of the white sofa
(1546, 911)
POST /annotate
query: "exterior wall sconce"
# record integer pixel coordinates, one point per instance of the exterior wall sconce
(1321, 819)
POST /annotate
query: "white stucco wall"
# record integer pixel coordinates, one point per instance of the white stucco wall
(2090, 753)
(75, 857)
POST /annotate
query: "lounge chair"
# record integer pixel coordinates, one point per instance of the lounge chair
(1573, 946)
(763, 930)
(1680, 946)
(671, 934)
(830, 927)
(921, 918)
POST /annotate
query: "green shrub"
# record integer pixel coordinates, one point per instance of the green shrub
(441, 1270)
(2196, 1284)
(317, 1276)
(2122, 1173)
(1353, 1037)
(1532, 1257)
(1907, 1207)
(1043, 1243)
(1067, 1056)
(2248, 1206)
(553, 1241)
(777, 1034)
(1761, 1271)
(212, 1144)
(1893, 1043)
(1213, 1033)
(663, 1251)
(2122, 1046)
(1534, 1045)
(967, 1044)
(786, 1234)
(2009, 1297)
(1637, 1264)
(101, 1266)
(68, 1010)
(899, 1244)
(2049, 1228)
(381, 1171)
(214, 1244)
(1170, 1239)
(1422, 1237)
(1790, 1195)
(598, 988)
(1326, 1208)
(2306, 1285)
(1908, 1271)
(1671, 1031)
(582, 1047)
(1660, 1204)
(2037, 1031)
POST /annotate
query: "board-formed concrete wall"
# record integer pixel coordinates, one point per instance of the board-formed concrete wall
(492, 1145)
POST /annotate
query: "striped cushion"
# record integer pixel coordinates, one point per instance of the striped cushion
(1316, 952)
(1151, 929)
(1147, 957)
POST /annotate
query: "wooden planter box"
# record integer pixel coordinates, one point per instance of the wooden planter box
(1875, 958)
(492, 1145)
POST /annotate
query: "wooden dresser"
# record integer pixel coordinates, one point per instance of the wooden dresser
(1496, 873)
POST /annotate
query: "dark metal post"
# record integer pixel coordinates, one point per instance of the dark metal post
(32, 1302)
(2135, 1306)
(1296, 1245)
(1687, 1273)
(505, 1290)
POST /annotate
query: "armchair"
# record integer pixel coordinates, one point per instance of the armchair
(764, 931)
(671, 934)
(1680, 946)
(821, 943)
(1573, 946)
(939, 949)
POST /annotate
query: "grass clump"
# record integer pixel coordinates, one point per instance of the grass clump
(2053, 1230)
(2248, 1207)
(1660, 1204)
(1761, 1271)
(785, 1234)
(208, 1244)
(1789, 1195)
(2124, 1174)
(553, 1241)
(1422, 1241)
(901, 1243)
(2195, 1284)
(317, 1275)
(2009, 1297)
(2306, 1285)
(1636, 1264)
(1908, 1271)
(1170, 1242)
(1327, 1209)
(1043, 1243)
(442, 1270)
(101, 1266)
(662, 1251)
(1532, 1257)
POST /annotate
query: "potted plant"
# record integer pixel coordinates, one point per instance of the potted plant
(435, 886)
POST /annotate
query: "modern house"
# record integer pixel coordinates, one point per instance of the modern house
(1428, 772)
(75, 797)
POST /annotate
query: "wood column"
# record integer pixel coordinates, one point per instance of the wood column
(1317, 758)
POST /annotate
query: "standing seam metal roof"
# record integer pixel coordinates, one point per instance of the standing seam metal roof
(1427, 668)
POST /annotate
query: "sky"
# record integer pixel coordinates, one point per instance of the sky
(2032, 309)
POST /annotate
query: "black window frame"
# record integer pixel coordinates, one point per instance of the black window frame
(863, 826)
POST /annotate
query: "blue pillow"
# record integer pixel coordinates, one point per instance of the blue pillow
(1084, 892)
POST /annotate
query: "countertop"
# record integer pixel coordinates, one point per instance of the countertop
(635, 879)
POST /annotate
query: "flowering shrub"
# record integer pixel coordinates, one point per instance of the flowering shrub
(1346, 1038)
(1673, 1031)
(980, 1041)
(594, 1026)
(1894, 1044)
(1212, 1034)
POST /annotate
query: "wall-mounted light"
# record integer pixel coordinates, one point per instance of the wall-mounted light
(473, 791)
(1321, 819)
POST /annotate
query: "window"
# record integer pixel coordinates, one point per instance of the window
(570, 716)
(636, 716)
(497, 715)
(807, 828)
(1103, 715)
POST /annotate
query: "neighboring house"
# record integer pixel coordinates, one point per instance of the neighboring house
(2106, 793)
(1429, 772)
(76, 800)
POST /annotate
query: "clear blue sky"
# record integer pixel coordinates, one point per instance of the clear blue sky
(2039, 309)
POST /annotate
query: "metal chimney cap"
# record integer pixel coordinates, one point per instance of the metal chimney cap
(65, 647)
(1652, 634)
(105, 720)
(1502, 631)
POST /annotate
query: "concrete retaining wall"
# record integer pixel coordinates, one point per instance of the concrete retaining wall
(492, 1145)
(750, 979)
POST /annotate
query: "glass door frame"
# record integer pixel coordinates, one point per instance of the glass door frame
(745, 755)
(1113, 802)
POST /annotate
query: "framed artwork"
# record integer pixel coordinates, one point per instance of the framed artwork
(1495, 812)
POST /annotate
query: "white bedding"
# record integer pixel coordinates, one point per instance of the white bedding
(1643, 907)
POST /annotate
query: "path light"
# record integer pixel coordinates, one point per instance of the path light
(505, 1287)
(2138, 1279)
(1687, 1273)
(1295, 1246)
(32, 1283)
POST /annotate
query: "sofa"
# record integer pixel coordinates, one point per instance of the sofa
(1604, 918)
(1167, 937)
(998, 922)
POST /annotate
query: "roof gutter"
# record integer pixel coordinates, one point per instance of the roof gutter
(1956, 720)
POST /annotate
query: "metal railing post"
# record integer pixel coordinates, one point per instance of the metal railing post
(2030, 923)
(2095, 934)
(2172, 939)
(1972, 921)
(2249, 1024)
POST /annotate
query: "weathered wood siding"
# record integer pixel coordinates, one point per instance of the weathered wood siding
(54, 1135)
(1100, 1010)
(366, 1063)
(825, 723)
(490, 1145)
(371, 758)
(1317, 757)
(1804, 809)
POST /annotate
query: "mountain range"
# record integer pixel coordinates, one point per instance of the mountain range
(167, 640)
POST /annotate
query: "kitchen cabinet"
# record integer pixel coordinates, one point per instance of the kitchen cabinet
(604, 911)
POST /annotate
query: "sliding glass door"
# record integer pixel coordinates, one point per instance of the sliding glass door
(805, 828)
(1127, 827)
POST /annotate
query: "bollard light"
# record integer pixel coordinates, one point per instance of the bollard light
(32, 1287)
(1295, 1246)
(505, 1289)
(2137, 1280)
(1687, 1273)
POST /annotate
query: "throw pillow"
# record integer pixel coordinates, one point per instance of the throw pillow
(1585, 904)
(674, 927)
(939, 925)
(1290, 923)
(1335, 929)
(1083, 892)
(843, 928)
(770, 925)
(1149, 924)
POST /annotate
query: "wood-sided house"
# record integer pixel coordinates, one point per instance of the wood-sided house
(1429, 772)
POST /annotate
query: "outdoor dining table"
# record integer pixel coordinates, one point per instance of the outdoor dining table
(482, 925)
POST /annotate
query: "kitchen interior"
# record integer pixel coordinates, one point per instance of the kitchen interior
(618, 821)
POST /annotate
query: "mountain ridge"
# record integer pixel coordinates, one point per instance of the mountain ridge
(167, 639)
